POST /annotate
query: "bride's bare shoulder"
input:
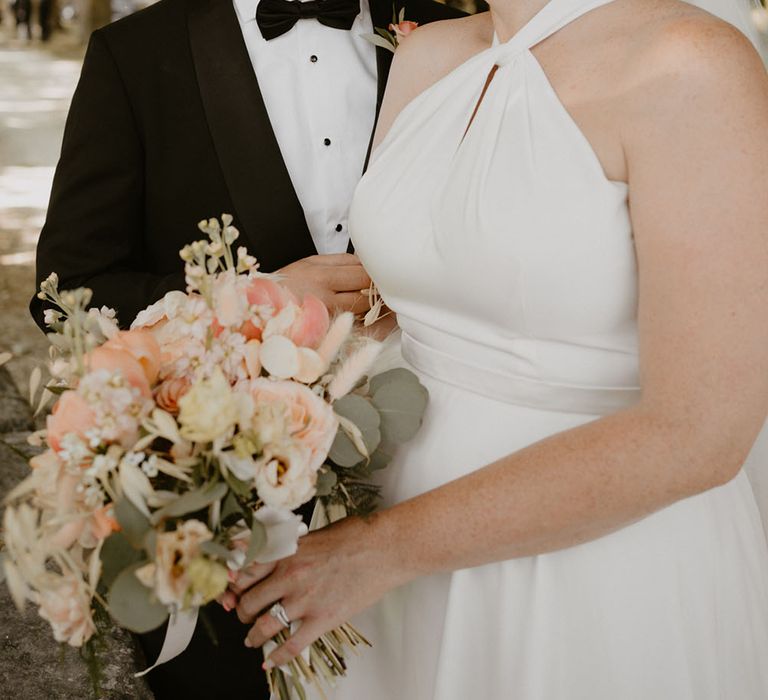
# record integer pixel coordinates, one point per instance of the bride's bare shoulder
(672, 37)
(428, 54)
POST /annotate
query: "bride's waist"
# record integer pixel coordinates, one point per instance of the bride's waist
(490, 373)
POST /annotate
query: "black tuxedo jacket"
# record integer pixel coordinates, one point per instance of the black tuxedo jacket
(168, 127)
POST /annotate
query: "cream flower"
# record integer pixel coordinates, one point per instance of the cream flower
(285, 477)
(67, 606)
(168, 575)
(209, 409)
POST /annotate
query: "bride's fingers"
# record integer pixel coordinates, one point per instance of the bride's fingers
(267, 626)
(309, 631)
(250, 576)
(227, 600)
(259, 598)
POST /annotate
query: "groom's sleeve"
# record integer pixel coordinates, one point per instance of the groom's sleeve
(93, 234)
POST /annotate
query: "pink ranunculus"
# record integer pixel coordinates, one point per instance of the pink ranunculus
(310, 421)
(312, 323)
(168, 394)
(263, 291)
(122, 361)
(140, 344)
(70, 414)
(403, 29)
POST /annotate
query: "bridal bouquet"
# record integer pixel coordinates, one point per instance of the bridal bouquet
(177, 450)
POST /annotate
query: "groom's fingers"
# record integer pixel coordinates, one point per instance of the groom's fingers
(349, 278)
(356, 302)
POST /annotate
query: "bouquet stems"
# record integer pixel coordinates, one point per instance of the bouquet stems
(324, 665)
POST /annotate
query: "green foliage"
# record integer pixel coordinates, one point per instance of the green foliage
(117, 553)
(326, 481)
(191, 502)
(133, 522)
(360, 411)
(401, 401)
(257, 542)
(130, 603)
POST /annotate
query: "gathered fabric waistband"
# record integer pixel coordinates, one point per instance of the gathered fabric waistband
(512, 389)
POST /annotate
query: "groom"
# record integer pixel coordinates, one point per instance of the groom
(259, 108)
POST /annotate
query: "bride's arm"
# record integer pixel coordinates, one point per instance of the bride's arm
(697, 154)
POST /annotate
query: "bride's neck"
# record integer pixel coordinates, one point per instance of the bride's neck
(509, 16)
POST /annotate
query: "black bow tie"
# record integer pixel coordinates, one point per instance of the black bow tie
(276, 17)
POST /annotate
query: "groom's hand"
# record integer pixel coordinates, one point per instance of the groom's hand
(337, 280)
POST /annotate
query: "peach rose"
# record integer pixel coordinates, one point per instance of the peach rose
(142, 346)
(310, 421)
(403, 29)
(168, 394)
(70, 414)
(67, 606)
(122, 361)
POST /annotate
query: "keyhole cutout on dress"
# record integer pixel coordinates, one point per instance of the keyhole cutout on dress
(488, 82)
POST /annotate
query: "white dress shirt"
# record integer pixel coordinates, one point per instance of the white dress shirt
(319, 88)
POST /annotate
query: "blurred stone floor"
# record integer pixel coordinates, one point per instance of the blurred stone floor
(36, 85)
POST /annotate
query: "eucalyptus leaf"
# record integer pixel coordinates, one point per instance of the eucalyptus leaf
(360, 411)
(241, 488)
(398, 374)
(401, 405)
(230, 508)
(326, 480)
(133, 522)
(191, 502)
(215, 550)
(117, 553)
(130, 603)
(257, 542)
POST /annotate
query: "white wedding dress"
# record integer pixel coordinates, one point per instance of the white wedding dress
(508, 257)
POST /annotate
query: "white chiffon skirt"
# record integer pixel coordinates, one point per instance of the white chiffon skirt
(673, 607)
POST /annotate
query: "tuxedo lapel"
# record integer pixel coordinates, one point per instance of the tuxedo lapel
(266, 206)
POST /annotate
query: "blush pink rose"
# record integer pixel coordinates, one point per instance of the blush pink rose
(310, 421)
(403, 29)
(122, 361)
(142, 346)
(263, 291)
(168, 394)
(70, 414)
(312, 323)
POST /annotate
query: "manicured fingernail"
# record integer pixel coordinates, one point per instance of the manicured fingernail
(248, 642)
(227, 607)
(268, 665)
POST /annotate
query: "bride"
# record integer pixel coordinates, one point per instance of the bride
(566, 208)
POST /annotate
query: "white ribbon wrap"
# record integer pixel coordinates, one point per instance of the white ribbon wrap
(181, 627)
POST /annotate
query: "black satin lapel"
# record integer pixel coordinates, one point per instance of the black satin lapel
(266, 206)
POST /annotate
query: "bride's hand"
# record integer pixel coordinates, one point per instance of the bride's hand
(336, 573)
